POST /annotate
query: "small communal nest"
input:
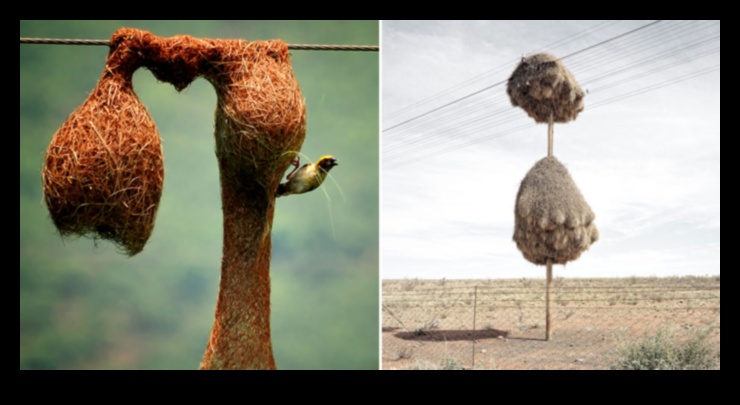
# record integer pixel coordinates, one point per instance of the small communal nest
(104, 168)
(104, 172)
(553, 222)
(542, 86)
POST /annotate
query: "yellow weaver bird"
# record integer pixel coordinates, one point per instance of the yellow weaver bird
(308, 177)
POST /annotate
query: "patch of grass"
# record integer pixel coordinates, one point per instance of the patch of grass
(451, 364)
(410, 285)
(561, 301)
(663, 352)
(433, 324)
(421, 331)
(404, 353)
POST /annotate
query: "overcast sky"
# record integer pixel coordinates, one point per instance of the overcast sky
(645, 152)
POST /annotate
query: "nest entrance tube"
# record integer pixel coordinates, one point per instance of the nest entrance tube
(104, 173)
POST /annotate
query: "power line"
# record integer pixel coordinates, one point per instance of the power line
(551, 46)
(446, 105)
(461, 122)
(297, 47)
(501, 95)
(504, 81)
(530, 124)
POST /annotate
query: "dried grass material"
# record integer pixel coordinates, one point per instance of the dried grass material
(552, 219)
(541, 85)
(261, 113)
(104, 172)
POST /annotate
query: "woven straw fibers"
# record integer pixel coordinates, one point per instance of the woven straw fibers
(104, 173)
(552, 219)
(541, 85)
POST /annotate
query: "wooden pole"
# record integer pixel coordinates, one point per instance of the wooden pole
(548, 324)
(550, 126)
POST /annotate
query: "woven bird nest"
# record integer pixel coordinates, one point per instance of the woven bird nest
(552, 220)
(541, 85)
(104, 172)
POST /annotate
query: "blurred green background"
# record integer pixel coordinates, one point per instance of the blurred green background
(84, 305)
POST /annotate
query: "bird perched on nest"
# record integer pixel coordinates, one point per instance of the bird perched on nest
(308, 177)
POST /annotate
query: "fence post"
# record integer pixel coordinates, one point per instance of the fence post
(548, 324)
(475, 307)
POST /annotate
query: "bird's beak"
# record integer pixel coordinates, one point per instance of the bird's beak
(334, 162)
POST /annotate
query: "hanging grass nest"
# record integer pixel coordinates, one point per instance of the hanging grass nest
(552, 219)
(104, 172)
(541, 85)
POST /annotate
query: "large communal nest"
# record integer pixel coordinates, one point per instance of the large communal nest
(542, 86)
(104, 172)
(553, 222)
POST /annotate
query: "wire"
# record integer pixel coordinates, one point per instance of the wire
(391, 165)
(460, 123)
(446, 105)
(297, 47)
(504, 81)
(551, 46)
(611, 39)
(399, 146)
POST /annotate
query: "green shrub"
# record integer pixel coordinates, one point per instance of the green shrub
(451, 364)
(663, 352)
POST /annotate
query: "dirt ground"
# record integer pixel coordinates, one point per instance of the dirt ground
(501, 324)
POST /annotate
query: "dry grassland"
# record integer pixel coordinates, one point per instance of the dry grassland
(500, 324)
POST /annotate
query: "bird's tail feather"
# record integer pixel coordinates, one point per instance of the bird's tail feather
(281, 190)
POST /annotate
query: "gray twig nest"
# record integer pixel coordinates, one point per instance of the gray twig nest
(542, 85)
(552, 219)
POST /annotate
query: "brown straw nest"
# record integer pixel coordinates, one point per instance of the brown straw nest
(261, 113)
(104, 173)
(552, 219)
(541, 85)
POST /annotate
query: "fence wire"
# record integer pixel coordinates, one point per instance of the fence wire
(500, 324)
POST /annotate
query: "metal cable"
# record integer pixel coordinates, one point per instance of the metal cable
(504, 81)
(504, 67)
(301, 47)
(464, 121)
